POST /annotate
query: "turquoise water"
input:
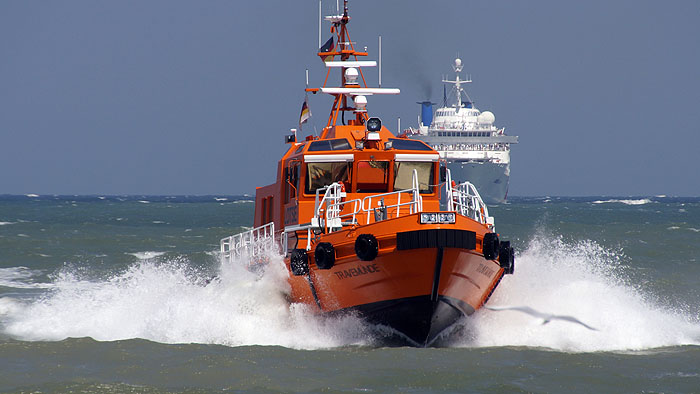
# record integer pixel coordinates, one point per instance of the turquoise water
(115, 294)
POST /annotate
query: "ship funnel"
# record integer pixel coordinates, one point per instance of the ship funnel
(426, 113)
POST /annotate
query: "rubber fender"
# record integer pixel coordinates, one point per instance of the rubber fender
(299, 262)
(366, 247)
(490, 246)
(506, 257)
(324, 256)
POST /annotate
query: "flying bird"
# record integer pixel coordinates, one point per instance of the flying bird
(546, 317)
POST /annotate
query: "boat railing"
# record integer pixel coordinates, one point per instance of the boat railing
(251, 247)
(329, 216)
(328, 209)
(465, 200)
(382, 211)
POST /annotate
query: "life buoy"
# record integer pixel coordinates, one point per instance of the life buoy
(506, 257)
(490, 246)
(366, 247)
(455, 196)
(342, 193)
(299, 262)
(324, 256)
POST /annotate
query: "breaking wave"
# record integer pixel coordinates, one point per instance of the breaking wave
(167, 300)
(626, 202)
(588, 282)
(170, 302)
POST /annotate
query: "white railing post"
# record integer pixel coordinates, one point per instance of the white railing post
(251, 245)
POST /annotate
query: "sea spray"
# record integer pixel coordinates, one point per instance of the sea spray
(168, 301)
(584, 280)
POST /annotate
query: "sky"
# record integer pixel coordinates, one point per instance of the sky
(195, 97)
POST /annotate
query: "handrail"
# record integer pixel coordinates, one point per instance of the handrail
(251, 247)
(465, 200)
(327, 210)
(415, 205)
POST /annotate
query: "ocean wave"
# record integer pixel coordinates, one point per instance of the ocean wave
(173, 303)
(146, 255)
(6, 223)
(626, 202)
(586, 281)
(21, 278)
(169, 301)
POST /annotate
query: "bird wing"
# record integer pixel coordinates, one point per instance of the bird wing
(546, 317)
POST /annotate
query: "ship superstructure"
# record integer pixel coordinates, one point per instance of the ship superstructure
(473, 148)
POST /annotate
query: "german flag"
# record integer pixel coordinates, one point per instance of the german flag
(327, 47)
(305, 112)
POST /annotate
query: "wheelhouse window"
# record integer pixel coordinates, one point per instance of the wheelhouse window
(406, 144)
(319, 175)
(403, 175)
(335, 144)
(372, 176)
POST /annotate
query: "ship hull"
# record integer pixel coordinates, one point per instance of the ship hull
(490, 179)
(422, 282)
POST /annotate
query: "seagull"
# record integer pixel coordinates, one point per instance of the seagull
(545, 316)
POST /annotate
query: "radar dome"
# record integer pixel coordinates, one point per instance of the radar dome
(487, 117)
(360, 102)
(351, 75)
(458, 62)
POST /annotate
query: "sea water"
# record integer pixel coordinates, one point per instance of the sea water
(127, 294)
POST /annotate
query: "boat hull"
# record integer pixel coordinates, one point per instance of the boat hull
(422, 282)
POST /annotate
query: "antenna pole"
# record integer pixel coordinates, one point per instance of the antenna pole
(380, 61)
(319, 23)
(398, 126)
(307, 77)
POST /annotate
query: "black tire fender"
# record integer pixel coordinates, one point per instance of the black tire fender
(506, 257)
(366, 247)
(324, 256)
(490, 246)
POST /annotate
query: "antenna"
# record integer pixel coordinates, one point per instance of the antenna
(307, 77)
(380, 61)
(319, 23)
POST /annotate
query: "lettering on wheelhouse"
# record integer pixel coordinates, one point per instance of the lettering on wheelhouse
(357, 271)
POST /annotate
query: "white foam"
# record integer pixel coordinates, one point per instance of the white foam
(21, 278)
(146, 255)
(170, 303)
(585, 281)
(31, 195)
(6, 223)
(626, 202)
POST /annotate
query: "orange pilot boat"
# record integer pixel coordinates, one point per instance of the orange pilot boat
(370, 223)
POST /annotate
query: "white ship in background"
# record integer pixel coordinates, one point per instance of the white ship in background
(472, 147)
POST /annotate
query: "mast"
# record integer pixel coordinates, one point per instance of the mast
(353, 83)
(458, 83)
